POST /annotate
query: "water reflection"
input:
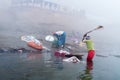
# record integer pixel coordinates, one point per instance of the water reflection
(35, 66)
(31, 56)
(58, 63)
(87, 74)
(47, 58)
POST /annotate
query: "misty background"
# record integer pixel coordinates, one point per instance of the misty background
(101, 12)
(16, 21)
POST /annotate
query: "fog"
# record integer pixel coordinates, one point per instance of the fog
(103, 9)
(101, 12)
(98, 12)
(4, 4)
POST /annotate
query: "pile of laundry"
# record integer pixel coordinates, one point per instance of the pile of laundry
(67, 56)
(62, 52)
(33, 42)
(72, 59)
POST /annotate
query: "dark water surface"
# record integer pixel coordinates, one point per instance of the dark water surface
(45, 66)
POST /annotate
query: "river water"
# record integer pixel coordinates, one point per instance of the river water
(45, 66)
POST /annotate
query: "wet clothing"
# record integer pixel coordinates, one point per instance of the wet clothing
(89, 44)
(90, 48)
(90, 55)
(61, 37)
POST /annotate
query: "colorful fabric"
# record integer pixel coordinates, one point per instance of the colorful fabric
(89, 44)
(61, 38)
(90, 55)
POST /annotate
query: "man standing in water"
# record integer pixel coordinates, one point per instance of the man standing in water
(89, 43)
(90, 47)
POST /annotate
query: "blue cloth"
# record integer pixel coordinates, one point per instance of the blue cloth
(61, 39)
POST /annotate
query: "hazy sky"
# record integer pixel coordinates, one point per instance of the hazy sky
(105, 10)
(4, 4)
(101, 11)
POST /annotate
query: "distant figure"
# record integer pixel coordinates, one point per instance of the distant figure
(61, 37)
(90, 48)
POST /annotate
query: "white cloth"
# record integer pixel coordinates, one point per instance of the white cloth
(31, 39)
(72, 59)
(49, 38)
(59, 32)
(62, 51)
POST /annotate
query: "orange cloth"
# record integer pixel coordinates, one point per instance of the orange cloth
(34, 45)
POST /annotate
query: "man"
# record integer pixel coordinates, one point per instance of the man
(61, 37)
(90, 48)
